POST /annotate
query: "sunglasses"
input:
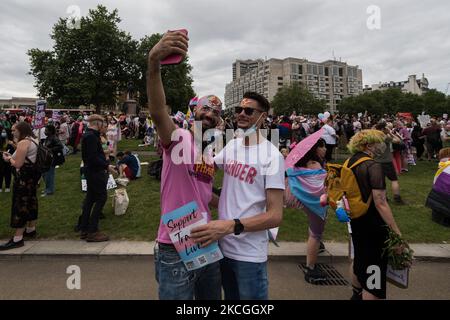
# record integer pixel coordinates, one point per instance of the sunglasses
(247, 111)
(208, 109)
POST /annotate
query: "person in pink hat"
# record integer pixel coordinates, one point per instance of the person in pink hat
(182, 182)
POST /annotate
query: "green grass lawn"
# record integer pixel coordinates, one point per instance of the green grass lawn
(59, 213)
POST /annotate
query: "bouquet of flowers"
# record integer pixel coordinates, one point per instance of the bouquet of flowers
(400, 255)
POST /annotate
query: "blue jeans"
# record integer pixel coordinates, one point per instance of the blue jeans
(49, 178)
(244, 280)
(176, 283)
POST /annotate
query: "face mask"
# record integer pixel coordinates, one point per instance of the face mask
(252, 129)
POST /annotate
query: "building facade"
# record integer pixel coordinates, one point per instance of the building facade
(18, 102)
(329, 80)
(412, 85)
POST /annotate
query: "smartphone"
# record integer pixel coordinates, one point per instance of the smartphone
(174, 58)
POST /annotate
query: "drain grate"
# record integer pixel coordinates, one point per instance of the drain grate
(334, 278)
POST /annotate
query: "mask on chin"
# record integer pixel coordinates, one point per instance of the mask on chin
(252, 129)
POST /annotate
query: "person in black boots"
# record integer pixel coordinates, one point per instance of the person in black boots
(96, 168)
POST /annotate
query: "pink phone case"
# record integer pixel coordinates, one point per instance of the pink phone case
(175, 58)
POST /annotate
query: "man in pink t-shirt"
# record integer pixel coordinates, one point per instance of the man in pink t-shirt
(186, 177)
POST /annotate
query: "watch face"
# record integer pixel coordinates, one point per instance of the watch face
(238, 228)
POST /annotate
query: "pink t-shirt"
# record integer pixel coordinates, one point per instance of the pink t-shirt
(183, 181)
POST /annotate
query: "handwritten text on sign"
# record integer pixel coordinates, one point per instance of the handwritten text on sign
(179, 224)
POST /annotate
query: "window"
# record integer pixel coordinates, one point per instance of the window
(341, 72)
(300, 69)
(335, 71)
(280, 78)
(309, 68)
(280, 83)
(321, 71)
(294, 68)
(326, 71)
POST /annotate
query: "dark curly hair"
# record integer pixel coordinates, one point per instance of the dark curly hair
(312, 155)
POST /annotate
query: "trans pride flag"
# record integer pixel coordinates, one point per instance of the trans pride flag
(306, 185)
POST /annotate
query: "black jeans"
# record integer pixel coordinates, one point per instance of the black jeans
(6, 174)
(96, 197)
(329, 154)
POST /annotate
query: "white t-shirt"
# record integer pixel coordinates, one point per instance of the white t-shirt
(357, 126)
(64, 132)
(248, 172)
(328, 134)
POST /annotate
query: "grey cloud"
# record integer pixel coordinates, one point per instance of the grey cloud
(413, 37)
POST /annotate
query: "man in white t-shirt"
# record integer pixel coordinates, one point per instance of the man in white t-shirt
(330, 137)
(250, 204)
(357, 126)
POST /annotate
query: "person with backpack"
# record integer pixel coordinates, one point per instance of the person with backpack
(363, 184)
(56, 147)
(24, 207)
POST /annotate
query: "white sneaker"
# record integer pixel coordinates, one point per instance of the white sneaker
(7, 190)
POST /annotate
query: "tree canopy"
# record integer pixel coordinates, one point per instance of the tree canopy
(295, 97)
(95, 62)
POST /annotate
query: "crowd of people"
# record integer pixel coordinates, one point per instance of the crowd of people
(260, 179)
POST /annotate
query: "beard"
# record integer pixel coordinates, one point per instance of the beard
(211, 122)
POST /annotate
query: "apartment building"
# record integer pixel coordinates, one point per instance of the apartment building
(330, 80)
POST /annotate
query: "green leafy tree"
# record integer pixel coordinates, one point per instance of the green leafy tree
(88, 65)
(436, 103)
(394, 100)
(296, 98)
(176, 79)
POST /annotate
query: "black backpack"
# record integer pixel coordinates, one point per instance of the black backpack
(44, 158)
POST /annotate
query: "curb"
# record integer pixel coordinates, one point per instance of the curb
(294, 251)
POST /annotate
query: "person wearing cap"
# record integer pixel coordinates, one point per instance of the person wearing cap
(182, 180)
(96, 168)
(251, 203)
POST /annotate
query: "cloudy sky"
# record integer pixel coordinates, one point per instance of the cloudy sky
(413, 36)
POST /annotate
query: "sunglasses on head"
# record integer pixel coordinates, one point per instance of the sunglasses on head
(248, 111)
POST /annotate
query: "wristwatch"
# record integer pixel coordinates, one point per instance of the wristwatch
(238, 227)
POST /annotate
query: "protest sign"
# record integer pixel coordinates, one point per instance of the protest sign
(179, 224)
(39, 119)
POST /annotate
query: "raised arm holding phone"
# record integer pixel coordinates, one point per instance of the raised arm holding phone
(181, 182)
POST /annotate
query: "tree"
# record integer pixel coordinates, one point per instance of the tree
(436, 103)
(176, 79)
(296, 98)
(88, 65)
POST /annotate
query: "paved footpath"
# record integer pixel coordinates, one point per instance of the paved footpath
(125, 270)
(134, 278)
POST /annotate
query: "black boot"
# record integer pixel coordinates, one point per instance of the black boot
(357, 294)
(12, 245)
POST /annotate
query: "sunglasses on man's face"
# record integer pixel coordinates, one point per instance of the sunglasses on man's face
(248, 111)
(208, 109)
